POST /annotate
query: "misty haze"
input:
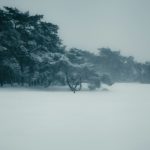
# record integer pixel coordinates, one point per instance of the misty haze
(74, 75)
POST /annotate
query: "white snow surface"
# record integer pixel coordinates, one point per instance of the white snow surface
(113, 119)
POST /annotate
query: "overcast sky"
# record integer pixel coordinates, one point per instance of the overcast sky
(90, 24)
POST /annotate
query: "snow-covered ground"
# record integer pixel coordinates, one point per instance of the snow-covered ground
(114, 119)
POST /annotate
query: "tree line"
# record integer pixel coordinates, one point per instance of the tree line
(32, 53)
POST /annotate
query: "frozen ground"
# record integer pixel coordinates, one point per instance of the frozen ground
(117, 119)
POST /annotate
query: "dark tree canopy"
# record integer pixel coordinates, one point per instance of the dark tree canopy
(32, 53)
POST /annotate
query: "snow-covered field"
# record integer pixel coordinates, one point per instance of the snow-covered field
(117, 119)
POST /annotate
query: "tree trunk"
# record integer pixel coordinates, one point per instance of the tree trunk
(73, 85)
(22, 75)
